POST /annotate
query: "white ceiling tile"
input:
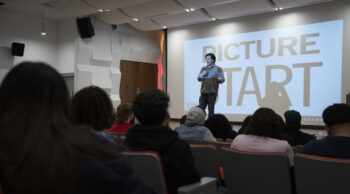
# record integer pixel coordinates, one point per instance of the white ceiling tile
(203, 3)
(153, 8)
(114, 4)
(296, 3)
(73, 8)
(145, 25)
(181, 19)
(113, 17)
(240, 8)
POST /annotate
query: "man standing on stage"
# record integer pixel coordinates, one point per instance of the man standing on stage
(210, 76)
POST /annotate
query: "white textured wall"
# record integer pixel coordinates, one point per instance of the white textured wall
(94, 61)
(98, 58)
(16, 27)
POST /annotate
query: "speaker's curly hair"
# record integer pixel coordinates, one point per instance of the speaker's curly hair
(92, 106)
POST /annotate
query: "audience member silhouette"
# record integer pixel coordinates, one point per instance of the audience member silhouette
(42, 152)
(263, 134)
(194, 126)
(153, 133)
(244, 124)
(220, 127)
(293, 123)
(337, 143)
(91, 106)
(124, 117)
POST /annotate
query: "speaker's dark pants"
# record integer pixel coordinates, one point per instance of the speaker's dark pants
(208, 99)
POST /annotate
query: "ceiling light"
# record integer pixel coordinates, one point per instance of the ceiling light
(164, 27)
(135, 19)
(100, 10)
(192, 9)
(213, 19)
(187, 10)
(42, 30)
(107, 10)
(280, 8)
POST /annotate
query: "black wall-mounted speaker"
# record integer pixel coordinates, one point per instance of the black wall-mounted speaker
(85, 27)
(17, 49)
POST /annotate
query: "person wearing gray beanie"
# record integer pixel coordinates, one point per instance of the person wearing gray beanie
(194, 126)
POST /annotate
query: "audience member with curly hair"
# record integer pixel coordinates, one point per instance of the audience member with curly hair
(42, 152)
(123, 119)
(91, 106)
(220, 127)
(263, 134)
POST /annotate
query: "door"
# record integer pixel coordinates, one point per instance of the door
(136, 77)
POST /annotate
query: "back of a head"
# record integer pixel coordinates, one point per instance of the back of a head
(264, 122)
(244, 124)
(293, 119)
(218, 125)
(34, 106)
(336, 114)
(195, 116)
(183, 119)
(92, 106)
(150, 107)
(123, 112)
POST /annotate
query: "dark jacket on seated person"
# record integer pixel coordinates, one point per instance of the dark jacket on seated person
(176, 154)
(96, 176)
(337, 143)
(330, 146)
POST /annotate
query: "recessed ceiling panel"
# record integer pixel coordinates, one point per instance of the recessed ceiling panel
(114, 4)
(240, 8)
(296, 3)
(145, 25)
(72, 8)
(181, 19)
(203, 3)
(113, 17)
(153, 8)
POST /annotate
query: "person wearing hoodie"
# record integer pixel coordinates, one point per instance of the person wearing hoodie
(293, 122)
(194, 126)
(153, 133)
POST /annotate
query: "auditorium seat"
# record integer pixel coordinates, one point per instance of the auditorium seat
(192, 140)
(148, 166)
(256, 173)
(206, 160)
(321, 175)
(218, 145)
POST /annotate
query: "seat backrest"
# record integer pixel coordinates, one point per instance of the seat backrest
(250, 172)
(218, 145)
(148, 166)
(192, 140)
(206, 160)
(321, 175)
